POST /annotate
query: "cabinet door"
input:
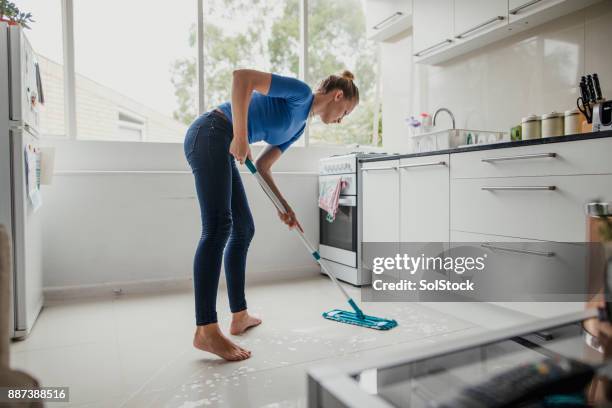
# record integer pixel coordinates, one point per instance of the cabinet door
(432, 26)
(381, 14)
(521, 8)
(532, 12)
(424, 198)
(380, 198)
(474, 17)
(380, 220)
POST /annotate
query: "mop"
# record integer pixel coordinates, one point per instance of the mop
(357, 317)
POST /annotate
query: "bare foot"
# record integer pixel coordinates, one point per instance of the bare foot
(210, 338)
(242, 321)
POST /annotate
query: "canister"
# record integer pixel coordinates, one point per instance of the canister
(552, 124)
(530, 127)
(572, 122)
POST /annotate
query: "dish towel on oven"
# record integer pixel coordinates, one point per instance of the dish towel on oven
(329, 194)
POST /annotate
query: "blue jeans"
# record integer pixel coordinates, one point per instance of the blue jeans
(227, 223)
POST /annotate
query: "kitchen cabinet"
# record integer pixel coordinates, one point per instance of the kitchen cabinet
(380, 208)
(381, 201)
(477, 17)
(544, 269)
(387, 18)
(546, 208)
(424, 199)
(533, 192)
(444, 29)
(432, 26)
(532, 12)
(584, 157)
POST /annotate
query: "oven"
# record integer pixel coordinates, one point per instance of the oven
(338, 239)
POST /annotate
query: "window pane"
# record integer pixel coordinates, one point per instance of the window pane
(46, 39)
(135, 58)
(337, 41)
(262, 35)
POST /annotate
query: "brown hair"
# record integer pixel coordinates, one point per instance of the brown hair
(344, 82)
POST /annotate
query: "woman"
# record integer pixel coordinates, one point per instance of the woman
(265, 107)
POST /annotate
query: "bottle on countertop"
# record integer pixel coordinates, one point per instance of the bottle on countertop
(426, 122)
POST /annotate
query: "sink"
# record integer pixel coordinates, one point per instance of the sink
(454, 138)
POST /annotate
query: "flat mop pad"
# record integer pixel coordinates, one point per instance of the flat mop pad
(357, 317)
(371, 322)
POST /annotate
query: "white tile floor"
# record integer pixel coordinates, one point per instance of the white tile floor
(136, 351)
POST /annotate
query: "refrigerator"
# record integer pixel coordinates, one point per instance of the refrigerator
(21, 97)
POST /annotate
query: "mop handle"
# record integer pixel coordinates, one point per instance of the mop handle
(315, 254)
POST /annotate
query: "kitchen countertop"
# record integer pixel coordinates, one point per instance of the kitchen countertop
(491, 146)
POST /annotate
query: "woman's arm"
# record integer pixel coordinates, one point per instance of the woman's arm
(265, 160)
(244, 82)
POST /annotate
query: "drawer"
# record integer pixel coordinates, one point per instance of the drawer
(525, 207)
(590, 156)
(380, 165)
(539, 273)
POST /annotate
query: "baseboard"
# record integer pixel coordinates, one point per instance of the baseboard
(54, 294)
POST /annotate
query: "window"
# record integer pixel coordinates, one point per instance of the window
(126, 52)
(46, 39)
(246, 34)
(136, 63)
(337, 41)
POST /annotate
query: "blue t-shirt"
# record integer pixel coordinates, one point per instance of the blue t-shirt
(278, 118)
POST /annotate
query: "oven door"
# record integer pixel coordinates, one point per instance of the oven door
(338, 239)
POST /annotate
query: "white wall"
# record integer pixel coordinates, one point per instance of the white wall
(102, 228)
(536, 71)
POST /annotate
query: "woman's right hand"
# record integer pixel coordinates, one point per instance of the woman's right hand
(289, 217)
(239, 148)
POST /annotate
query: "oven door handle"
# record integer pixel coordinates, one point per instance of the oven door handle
(348, 202)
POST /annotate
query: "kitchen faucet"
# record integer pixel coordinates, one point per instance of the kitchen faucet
(444, 110)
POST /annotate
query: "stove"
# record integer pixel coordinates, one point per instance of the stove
(340, 240)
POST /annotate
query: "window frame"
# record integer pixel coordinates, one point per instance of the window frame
(70, 117)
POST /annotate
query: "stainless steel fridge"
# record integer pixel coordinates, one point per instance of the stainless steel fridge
(21, 97)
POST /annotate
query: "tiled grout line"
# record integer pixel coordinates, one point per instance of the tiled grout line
(13, 352)
(155, 374)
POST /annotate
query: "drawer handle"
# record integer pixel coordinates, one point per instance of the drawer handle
(516, 188)
(380, 168)
(387, 20)
(547, 254)
(516, 10)
(406, 166)
(521, 157)
(479, 26)
(433, 47)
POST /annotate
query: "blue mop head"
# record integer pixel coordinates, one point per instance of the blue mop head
(370, 322)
